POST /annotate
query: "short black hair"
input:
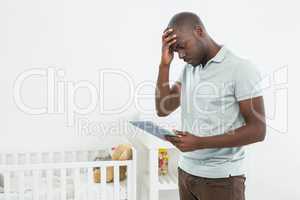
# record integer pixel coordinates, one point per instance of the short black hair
(185, 21)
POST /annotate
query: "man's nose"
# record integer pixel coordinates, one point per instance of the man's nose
(181, 54)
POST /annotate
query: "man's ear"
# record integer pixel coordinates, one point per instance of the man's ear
(198, 31)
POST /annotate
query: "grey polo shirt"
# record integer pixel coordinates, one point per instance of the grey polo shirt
(210, 98)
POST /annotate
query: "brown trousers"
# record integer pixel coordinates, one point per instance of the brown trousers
(199, 188)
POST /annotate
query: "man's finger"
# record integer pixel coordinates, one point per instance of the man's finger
(181, 133)
(169, 138)
(169, 38)
(167, 31)
(172, 139)
(171, 42)
(167, 34)
(170, 46)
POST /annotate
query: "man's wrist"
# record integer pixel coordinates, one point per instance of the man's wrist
(164, 66)
(203, 142)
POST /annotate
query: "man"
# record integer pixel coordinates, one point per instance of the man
(222, 110)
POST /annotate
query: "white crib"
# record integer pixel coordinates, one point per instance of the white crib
(63, 176)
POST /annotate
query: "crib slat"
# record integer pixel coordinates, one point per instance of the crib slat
(5, 159)
(51, 157)
(50, 184)
(14, 159)
(62, 156)
(36, 185)
(18, 158)
(74, 156)
(90, 176)
(90, 182)
(63, 183)
(21, 185)
(86, 156)
(8, 159)
(103, 183)
(116, 182)
(130, 190)
(77, 182)
(38, 157)
(79, 156)
(7, 184)
(27, 158)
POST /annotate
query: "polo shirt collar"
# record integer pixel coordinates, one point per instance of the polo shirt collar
(219, 57)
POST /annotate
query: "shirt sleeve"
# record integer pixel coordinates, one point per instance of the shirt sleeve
(247, 82)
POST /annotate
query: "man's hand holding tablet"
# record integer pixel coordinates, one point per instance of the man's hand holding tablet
(184, 141)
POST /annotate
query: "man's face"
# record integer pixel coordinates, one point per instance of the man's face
(188, 48)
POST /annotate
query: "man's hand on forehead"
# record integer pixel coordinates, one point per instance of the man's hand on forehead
(169, 38)
(170, 33)
(168, 29)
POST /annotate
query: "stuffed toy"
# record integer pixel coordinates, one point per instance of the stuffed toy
(121, 152)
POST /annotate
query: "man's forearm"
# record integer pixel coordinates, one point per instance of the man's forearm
(244, 135)
(162, 88)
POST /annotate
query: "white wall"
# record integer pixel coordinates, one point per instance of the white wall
(82, 37)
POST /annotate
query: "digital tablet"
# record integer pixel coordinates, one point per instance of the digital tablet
(153, 129)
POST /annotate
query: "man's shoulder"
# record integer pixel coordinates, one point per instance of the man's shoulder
(242, 68)
(237, 62)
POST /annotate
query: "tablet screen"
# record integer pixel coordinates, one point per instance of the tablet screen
(152, 128)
